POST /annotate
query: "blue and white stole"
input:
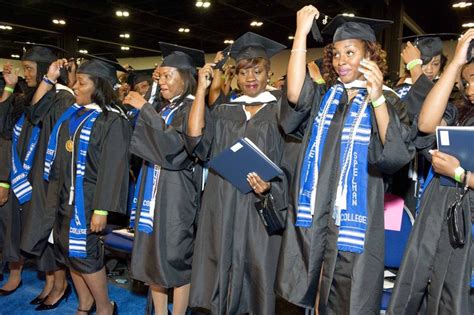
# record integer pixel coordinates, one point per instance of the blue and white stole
(152, 173)
(350, 209)
(78, 225)
(19, 174)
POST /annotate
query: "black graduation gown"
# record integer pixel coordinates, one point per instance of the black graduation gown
(164, 257)
(350, 283)
(434, 278)
(235, 261)
(5, 157)
(105, 185)
(39, 222)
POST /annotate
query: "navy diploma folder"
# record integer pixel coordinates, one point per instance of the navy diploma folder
(244, 157)
(458, 142)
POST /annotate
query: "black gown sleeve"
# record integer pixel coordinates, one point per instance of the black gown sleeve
(398, 149)
(159, 144)
(53, 104)
(113, 169)
(294, 117)
(200, 147)
(5, 160)
(416, 96)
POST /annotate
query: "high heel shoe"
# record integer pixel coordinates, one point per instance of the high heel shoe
(38, 300)
(45, 307)
(89, 311)
(8, 292)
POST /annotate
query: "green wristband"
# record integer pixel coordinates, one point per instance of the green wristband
(412, 64)
(9, 89)
(458, 173)
(320, 81)
(101, 212)
(5, 185)
(378, 102)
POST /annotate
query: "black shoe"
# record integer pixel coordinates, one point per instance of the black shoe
(89, 311)
(115, 311)
(5, 292)
(38, 300)
(45, 307)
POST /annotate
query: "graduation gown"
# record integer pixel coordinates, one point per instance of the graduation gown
(234, 261)
(105, 185)
(164, 257)
(5, 157)
(350, 283)
(434, 278)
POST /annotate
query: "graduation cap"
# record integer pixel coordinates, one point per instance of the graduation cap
(136, 77)
(181, 57)
(40, 52)
(100, 67)
(430, 45)
(354, 27)
(251, 45)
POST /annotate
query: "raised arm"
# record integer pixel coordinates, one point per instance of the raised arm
(431, 114)
(11, 79)
(52, 76)
(196, 120)
(297, 63)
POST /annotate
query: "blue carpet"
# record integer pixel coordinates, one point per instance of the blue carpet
(18, 302)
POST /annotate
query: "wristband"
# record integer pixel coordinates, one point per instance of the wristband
(298, 50)
(320, 81)
(45, 79)
(378, 102)
(9, 89)
(412, 64)
(5, 185)
(101, 212)
(458, 173)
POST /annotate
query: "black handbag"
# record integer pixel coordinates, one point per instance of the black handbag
(272, 219)
(456, 221)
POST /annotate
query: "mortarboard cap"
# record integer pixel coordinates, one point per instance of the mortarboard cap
(181, 57)
(40, 52)
(354, 27)
(100, 67)
(430, 45)
(136, 77)
(251, 45)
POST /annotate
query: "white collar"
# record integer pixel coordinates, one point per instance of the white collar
(60, 87)
(361, 84)
(264, 97)
(93, 106)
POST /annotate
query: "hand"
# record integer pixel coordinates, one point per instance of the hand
(305, 18)
(410, 53)
(98, 222)
(229, 73)
(219, 56)
(460, 55)
(259, 186)
(134, 99)
(205, 75)
(4, 192)
(156, 75)
(443, 163)
(9, 75)
(123, 90)
(374, 78)
(71, 68)
(54, 69)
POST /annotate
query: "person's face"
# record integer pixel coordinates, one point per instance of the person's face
(30, 71)
(346, 57)
(468, 81)
(170, 81)
(83, 89)
(253, 81)
(432, 68)
(142, 87)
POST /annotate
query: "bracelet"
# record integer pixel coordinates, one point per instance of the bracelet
(378, 102)
(8, 89)
(298, 50)
(320, 81)
(458, 173)
(101, 212)
(412, 64)
(45, 79)
(5, 185)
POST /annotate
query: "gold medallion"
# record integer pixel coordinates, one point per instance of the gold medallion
(69, 145)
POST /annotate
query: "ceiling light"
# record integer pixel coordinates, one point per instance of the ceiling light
(83, 51)
(291, 37)
(203, 4)
(468, 25)
(125, 35)
(461, 4)
(120, 13)
(6, 27)
(59, 22)
(183, 30)
(125, 48)
(256, 23)
(228, 41)
(348, 14)
(15, 56)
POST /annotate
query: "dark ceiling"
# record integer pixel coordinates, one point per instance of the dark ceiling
(98, 28)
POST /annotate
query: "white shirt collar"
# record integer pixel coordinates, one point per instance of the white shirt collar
(264, 97)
